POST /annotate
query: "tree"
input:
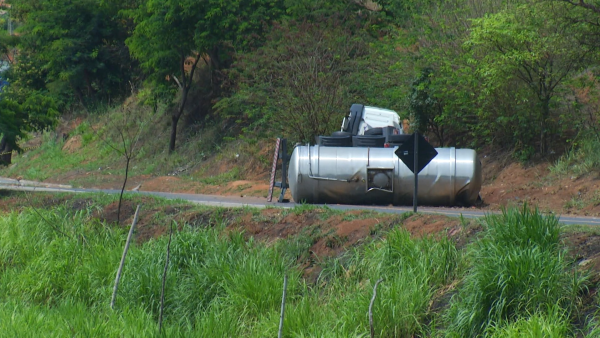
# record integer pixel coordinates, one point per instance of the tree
(449, 94)
(78, 46)
(532, 44)
(11, 128)
(302, 81)
(22, 108)
(425, 107)
(594, 7)
(169, 33)
(20, 113)
(164, 37)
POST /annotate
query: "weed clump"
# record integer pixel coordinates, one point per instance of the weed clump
(412, 271)
(518, 269)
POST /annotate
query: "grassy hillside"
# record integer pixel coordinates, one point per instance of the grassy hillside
(88, 151)
(59, 256)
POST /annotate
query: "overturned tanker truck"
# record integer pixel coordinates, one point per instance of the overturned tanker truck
(357, 165)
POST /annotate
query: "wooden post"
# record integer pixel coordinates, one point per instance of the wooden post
(285, 279)
(371, 308)
(162, 292)
(118, 278)
(273, 171)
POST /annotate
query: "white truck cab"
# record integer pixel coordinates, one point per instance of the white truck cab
(362, 118)
(367, 126)
(374, 117)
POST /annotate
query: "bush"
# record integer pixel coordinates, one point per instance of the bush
(51, 255)
(550, 323)
(517, 269)
(583, 158)
(524, 228)
(411, 269)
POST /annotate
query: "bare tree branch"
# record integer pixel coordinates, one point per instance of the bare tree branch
(583, 4)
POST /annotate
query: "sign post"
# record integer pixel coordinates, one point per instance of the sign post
(416, 153)
(416, 172)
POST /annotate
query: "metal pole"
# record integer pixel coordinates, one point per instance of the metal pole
(416, 171)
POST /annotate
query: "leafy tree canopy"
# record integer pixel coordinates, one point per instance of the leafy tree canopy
(76, 46)
(533, 44)
(303, 80)
(172, 36)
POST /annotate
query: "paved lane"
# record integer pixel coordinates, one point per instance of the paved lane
(234, 201)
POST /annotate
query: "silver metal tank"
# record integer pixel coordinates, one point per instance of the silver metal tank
(359, 175)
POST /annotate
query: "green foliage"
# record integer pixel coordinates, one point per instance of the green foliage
(21, 108)
(551, 323)
(23, 111)
(168, 31)
(500, 72)
(532, 44)
(58, 266)
(173, 38)
(582, 158)
(425, 108)
(303, 79)
(518, 269)
(12, 121)
(163, 37)
(73, 49)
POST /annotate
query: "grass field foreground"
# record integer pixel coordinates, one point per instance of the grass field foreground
(57, 269)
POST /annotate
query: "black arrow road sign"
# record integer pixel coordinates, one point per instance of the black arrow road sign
(426, 153)
(416, 153)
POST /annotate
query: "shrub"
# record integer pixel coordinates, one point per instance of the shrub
(412, 270)
(524, 228)
(551, 323)
(517, 269)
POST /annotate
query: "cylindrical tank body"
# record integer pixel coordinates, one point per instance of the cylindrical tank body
(377, 176)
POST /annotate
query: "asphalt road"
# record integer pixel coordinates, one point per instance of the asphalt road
(233, 201)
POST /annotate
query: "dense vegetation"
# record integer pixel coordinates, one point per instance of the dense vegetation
(513, 75)
(518, 75)
(58, 267)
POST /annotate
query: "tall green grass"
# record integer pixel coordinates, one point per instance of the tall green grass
(552, 323)
(69, 318)
(206, 268)
(517, 269)
(44, 267)
(58, 280)
(583, 158)
(412, 270)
